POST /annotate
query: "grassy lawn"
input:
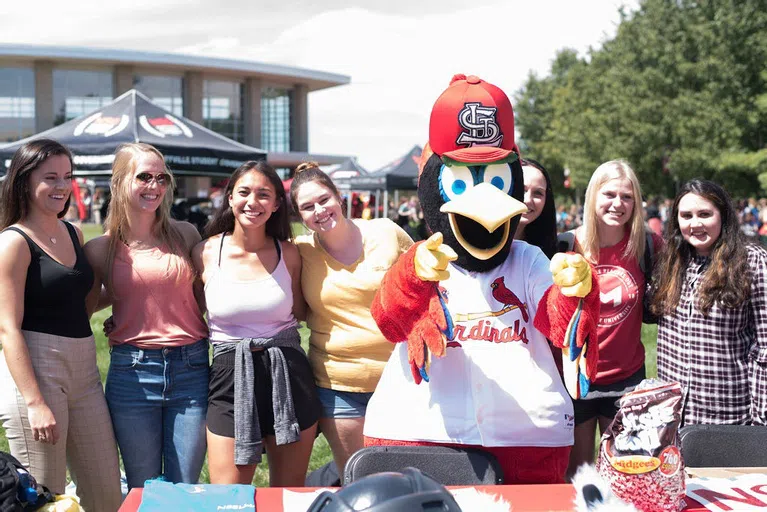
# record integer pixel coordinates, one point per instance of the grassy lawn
(321, 453)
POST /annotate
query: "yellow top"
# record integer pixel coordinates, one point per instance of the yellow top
(347, 350)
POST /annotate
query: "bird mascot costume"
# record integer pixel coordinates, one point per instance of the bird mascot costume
(473, 308)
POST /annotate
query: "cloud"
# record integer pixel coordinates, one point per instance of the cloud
(399, 64)
(400, 54)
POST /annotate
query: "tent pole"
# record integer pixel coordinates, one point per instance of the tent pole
(386, 204)
(378, 202)
(349, 204)
(396, 198)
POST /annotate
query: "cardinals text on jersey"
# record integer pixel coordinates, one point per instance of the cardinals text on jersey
(497, 385)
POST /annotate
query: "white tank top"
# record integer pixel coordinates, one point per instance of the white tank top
(254, 308)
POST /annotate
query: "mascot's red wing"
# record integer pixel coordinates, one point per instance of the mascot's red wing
(408, 309)
(555, 311)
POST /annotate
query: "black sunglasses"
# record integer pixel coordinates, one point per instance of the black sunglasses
(146, 178)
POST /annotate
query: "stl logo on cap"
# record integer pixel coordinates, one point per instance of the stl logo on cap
(472, 122)
(479, 121)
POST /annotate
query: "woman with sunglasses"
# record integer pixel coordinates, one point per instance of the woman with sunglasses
(157, 386)
(52, 403)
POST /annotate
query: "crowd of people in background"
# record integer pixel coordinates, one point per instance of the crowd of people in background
(752, 216)
(752, 212)
(691, 262)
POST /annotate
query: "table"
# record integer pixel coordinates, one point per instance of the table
(523, 498)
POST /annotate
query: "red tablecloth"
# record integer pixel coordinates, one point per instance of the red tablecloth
(523, 498)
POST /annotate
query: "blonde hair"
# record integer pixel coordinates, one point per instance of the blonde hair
(116, 224)
(614, 169)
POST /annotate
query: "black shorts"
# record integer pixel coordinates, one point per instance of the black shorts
(602, 400)
(220, 418)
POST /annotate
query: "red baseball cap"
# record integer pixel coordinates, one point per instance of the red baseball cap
(472, 122)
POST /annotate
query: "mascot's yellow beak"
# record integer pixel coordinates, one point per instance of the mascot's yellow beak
(489, 207)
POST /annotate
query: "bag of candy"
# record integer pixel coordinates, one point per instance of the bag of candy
(639, 453)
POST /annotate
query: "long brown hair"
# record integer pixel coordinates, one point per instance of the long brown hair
(116, 225)
(14, 193)
(542, 232)
(727, 279)
(278, 225)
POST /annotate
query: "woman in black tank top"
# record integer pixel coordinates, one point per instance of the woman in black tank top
(46, 338)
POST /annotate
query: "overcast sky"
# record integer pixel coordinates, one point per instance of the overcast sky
(400, 54)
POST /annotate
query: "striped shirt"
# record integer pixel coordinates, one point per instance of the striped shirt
(721, 359)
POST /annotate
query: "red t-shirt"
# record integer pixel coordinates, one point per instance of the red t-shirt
(621, 290)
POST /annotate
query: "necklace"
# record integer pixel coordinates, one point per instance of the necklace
(51, 238)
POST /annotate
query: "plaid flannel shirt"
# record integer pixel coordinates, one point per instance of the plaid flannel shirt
(721, 359)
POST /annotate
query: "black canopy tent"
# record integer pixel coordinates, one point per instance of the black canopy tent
(189, 148)
(345, 172)
(350, 168)
(400, 174)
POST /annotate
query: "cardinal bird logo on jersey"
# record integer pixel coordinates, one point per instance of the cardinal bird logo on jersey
(507, 298)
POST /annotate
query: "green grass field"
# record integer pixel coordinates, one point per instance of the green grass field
(321, 453)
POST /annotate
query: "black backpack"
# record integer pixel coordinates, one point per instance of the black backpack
(566, 242)
(9, 487)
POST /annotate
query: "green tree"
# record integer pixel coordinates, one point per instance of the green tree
(680, 91)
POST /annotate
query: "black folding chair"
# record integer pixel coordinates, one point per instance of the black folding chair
(724, 446)
(448, 466)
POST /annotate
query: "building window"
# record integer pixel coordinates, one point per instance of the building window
(165, 91)
(275, 119)
(222, 108)
(17, 103)
(77, 93)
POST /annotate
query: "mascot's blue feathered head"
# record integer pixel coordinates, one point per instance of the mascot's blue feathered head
(471, 185)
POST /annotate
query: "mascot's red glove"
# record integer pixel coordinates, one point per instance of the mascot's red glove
(408, 308)
(570, 322)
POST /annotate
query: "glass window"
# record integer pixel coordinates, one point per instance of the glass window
(222, 108)
(165, 91)
(76, 93)
(275, 118)
(17, 103)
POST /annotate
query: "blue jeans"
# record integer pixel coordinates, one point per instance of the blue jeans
(158, 399)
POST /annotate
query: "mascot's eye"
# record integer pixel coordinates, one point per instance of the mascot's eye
(454, 181)
(499, 175)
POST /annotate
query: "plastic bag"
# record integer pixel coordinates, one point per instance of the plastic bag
(639, 452)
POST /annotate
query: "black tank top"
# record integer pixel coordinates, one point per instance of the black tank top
(54, 295)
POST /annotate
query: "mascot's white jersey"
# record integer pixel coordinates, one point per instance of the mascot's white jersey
(497, 385)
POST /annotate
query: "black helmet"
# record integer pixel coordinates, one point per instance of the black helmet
(409, 491)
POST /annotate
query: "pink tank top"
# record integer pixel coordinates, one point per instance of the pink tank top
(154, 304)
(255, 308)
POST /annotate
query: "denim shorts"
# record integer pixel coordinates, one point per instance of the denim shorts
(343, 404)
(158, 399)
